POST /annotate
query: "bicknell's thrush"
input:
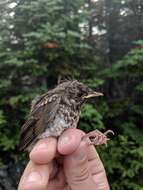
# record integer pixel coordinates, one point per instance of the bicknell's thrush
(56, 111)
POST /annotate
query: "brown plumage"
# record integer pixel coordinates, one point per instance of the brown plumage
(55, 111)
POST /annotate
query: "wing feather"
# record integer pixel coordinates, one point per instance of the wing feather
(39, 119)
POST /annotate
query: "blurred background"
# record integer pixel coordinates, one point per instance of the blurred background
(99, 42)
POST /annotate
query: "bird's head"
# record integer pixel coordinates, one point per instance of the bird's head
(80, 92)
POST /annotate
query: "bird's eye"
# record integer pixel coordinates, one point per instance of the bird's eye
(80, 93)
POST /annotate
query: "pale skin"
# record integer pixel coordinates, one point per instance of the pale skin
(79, 169)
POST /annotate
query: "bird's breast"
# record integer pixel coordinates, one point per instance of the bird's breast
(65, 118)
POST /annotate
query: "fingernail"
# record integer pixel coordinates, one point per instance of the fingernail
(64, 140)
(40, 146)
(33, 177)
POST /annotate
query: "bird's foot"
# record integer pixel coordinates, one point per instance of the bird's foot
(97, 138)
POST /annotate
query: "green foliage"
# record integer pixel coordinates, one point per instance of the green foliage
(125, 112)
(90, 119)
(2, 118)
(122, 160)
(109, 60)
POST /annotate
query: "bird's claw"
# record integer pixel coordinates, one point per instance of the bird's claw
(97, 138)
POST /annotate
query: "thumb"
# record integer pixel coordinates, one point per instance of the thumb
(77, 171)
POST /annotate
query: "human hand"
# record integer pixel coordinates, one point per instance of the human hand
(80, 167)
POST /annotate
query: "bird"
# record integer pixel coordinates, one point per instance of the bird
(57, 110)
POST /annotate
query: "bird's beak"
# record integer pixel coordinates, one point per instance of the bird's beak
(93, 94)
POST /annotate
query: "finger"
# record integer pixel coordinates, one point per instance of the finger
(69, 141)
(44, 151)
(97, 169)
(35, 177)
(77, 171)
(93, 156)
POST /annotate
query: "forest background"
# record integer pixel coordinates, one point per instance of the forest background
(99, 42)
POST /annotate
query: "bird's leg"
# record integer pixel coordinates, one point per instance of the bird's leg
(97, 138)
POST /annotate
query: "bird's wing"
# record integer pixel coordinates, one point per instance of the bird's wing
(42, 114)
